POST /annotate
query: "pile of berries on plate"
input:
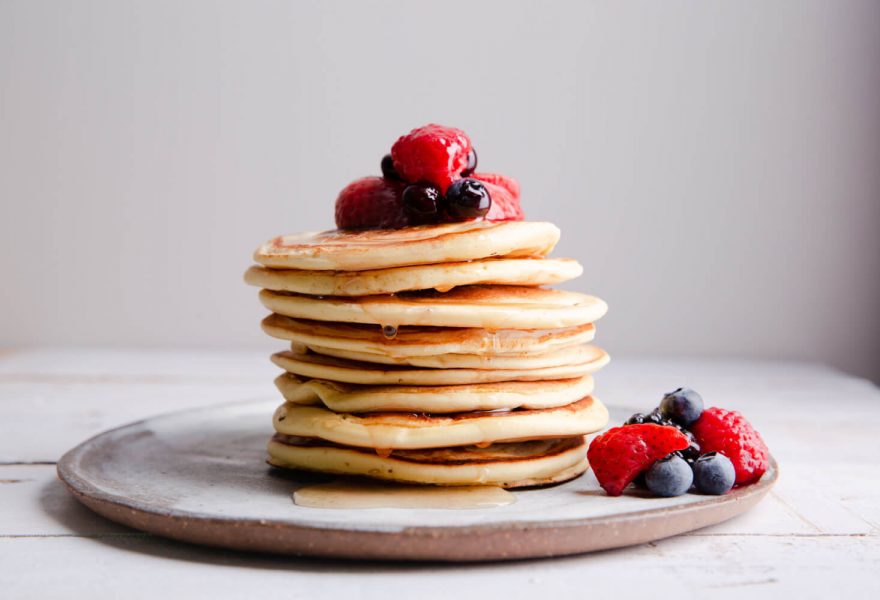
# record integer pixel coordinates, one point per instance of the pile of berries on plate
(429, 177)
(677, 446)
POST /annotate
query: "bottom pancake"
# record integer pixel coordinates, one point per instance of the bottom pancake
(508, 465)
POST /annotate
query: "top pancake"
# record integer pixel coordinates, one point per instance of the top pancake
(428, 244)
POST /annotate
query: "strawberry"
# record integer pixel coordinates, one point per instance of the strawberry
(508, 183)
(505, 206)
(504, 191)
(727, 432)
(431, 154)
(370, 202)
(620, 454)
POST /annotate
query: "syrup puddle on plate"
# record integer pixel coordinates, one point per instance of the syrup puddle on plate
(356, 494)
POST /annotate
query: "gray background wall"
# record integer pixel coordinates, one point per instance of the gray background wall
(715, 166)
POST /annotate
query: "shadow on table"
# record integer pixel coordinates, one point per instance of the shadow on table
(61, 507)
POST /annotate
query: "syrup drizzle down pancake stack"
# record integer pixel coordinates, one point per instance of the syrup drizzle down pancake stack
(431, 354)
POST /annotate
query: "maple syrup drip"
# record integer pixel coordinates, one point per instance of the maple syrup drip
(346, 494)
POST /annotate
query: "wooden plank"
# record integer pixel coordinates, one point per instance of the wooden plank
(35, 502)
(87, 365)
(134, 567)
(42, 421)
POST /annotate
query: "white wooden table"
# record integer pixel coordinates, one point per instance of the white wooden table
(816, 535)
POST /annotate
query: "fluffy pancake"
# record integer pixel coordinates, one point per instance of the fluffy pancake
(522, 464)
(441, 277)
(425, 245)
(489, 307)
(318, 366)
(566, 356)
(416, 430)
(424, 341)
(350, 398)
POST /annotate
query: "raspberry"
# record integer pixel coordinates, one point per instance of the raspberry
(370, 202)
(432, 154)
(727, 432)
(505, 206)
(508, 183)
(620, 454)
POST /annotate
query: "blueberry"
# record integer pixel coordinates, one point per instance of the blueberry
(714, 474)
(670, 476)
(388, 170)
(422, 203)
(691, 453)
(471, 164)
(467, 199)
(636, 419)
(655, 417)
(683, 406)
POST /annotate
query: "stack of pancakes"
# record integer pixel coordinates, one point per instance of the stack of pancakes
(431, 355)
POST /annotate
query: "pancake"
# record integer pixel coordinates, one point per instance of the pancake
(524, 464)
(424, 245)
(442, 277)
(318, 366)
(350, 398)
(424, 341)
(489, 307)
(566, 356)
(417, 430)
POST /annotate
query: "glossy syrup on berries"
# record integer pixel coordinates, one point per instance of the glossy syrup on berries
(467, 199)
(422, 203)
(388, 170)
(471, 164)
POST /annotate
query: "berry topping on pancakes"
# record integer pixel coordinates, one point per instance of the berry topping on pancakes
(505, 205)
(422, 203)
(433, 154)
(371, 202)
(471, 164)
(388, 170)
(508, 183)
(428, 178)
(467, 199)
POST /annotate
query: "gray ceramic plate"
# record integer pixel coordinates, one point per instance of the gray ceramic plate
(199, 476)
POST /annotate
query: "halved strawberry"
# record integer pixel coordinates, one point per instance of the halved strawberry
(620, 454)
(371, 202)
(508, 183)
(505, 206)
